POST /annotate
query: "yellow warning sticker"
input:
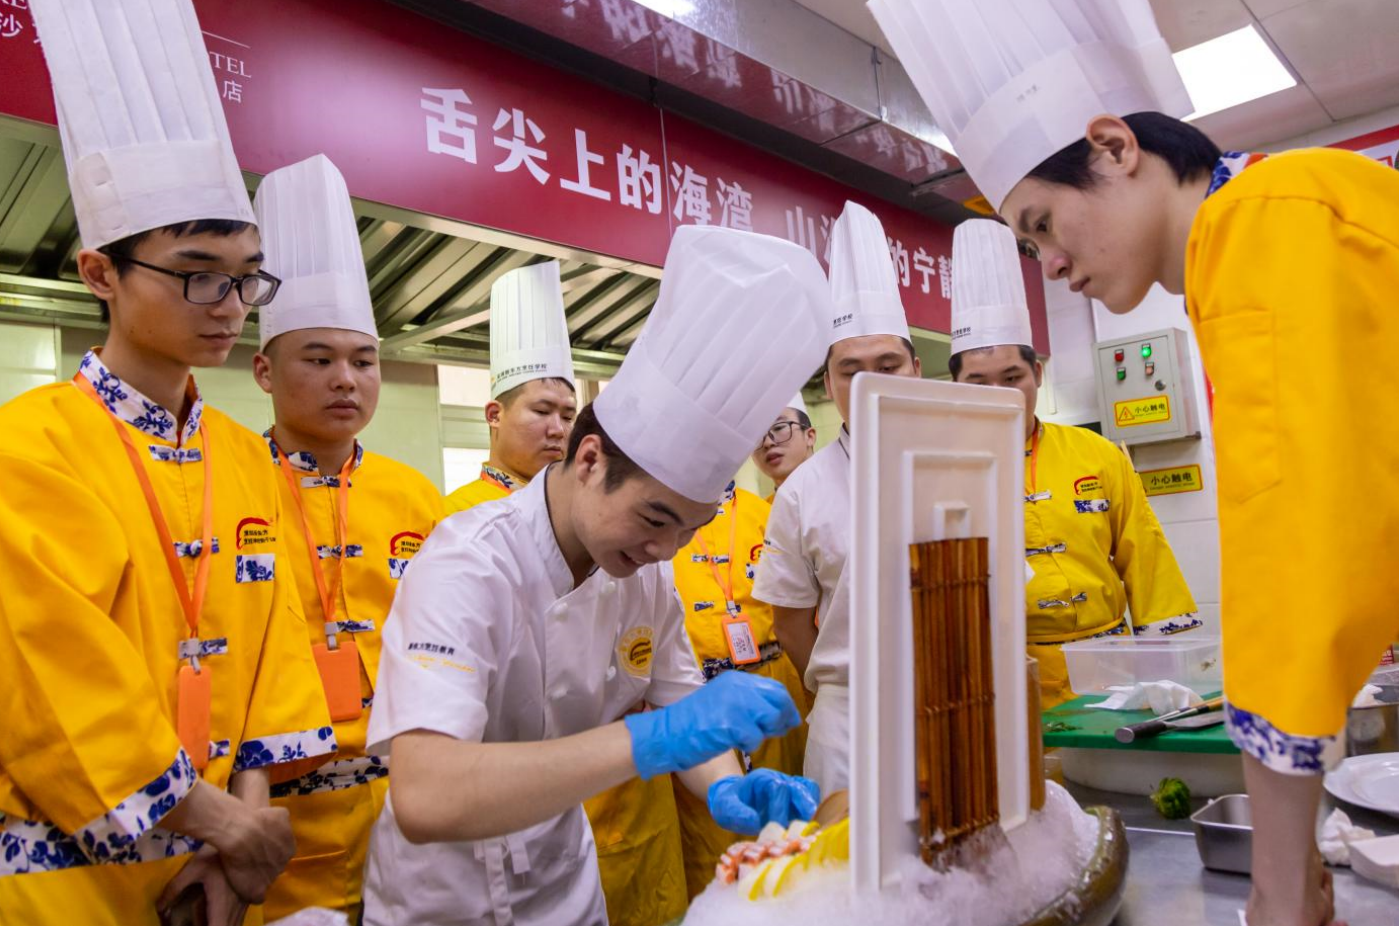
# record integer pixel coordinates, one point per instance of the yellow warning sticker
(1173, 480)
(1142, 411)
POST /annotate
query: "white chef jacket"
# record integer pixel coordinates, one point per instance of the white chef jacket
(803, 566)
(489, 641)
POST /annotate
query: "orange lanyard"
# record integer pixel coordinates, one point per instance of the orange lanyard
(1033, 487)
(329, 593)
(191, 602)
(725, 582)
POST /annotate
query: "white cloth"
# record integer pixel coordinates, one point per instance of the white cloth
(988, 289)
(864, 286)
(1161, 697)
(805, 547)
(311, 243)
(703, 383)
(1337, 833)
(799, 404)
(1368, 696)
(488, 641)
(143, 131)
(1012, 82)
(529, 330)
(827, 760)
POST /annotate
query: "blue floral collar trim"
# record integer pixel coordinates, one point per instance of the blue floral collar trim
(501, 478)
(1229, 166)
(141, 413)
(304, 460)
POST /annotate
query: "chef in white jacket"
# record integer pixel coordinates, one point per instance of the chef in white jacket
(527, 628)
(802, 572)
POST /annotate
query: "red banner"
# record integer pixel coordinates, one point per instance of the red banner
(425, 118)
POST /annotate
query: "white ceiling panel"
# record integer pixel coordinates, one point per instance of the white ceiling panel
(1347, 51)
(1189, 22)
(1281, 115)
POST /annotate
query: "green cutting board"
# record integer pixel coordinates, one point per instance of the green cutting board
(1082, 727)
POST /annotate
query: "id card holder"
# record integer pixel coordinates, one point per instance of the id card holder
(743, 649)
(192, 713)
(339, 669)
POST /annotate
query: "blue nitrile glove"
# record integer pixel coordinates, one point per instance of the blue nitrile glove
(747, 803)
(735, 711)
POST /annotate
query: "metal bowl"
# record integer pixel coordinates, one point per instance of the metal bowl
(1224, 834)
(1096, 898)
(1370, 730)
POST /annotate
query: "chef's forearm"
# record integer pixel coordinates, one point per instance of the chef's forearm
(446, 790)
(252, 787)
(698, 779)
(796, 631)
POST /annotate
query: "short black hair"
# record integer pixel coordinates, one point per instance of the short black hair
(124, 249)
(954, 363)
(803, 419)
(620, 467)
(1186, 150)
(508, 397)
(908, 345)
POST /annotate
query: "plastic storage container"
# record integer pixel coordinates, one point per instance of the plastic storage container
(1188, 659)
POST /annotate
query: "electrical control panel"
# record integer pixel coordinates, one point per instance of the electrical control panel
(1146, 388)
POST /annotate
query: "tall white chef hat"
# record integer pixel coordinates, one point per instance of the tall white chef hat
(799, 404)
(529, 332)
(311, 243)
(1013, 82)
(143, 131)
(864, 285)
(988, 290)
(703, 382)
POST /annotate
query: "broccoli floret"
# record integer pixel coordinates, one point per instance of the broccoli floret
(1172, 799)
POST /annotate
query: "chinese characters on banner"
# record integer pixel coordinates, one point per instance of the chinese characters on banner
(436, 121)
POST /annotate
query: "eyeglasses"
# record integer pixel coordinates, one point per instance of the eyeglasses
(209, 287)
(781, 432)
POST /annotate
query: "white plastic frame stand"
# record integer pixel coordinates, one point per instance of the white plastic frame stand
(931, 461)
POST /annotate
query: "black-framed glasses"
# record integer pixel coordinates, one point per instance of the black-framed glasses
(782, 431)
(209, 287)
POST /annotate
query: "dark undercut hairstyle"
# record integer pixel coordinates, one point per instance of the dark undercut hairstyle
(803, 419)
(954, 363)
(125, 249)
(1186, 150)
(620, 467)
(508, 397)
(908, 346)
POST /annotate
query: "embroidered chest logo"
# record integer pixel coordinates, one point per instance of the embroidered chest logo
(254, 533)
(635, 650)
(403, 545)
(1087, 485)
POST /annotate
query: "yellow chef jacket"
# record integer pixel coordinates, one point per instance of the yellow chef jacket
(392, 509)
(492, 485)
(90, 628)
(1291, 275)
(703, 598)
(635, 824)
(1095, 547)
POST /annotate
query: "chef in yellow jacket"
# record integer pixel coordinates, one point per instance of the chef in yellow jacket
(1092, 542)
(152, 648)
(532, 404)
(789, 443)
(730, 629)
(1289, 256)
(353, 519)
(635, 825)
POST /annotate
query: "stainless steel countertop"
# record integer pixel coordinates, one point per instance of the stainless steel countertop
(1167, 885)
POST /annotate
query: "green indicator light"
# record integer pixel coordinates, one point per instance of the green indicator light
(1146, 351)
(1121, 374)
